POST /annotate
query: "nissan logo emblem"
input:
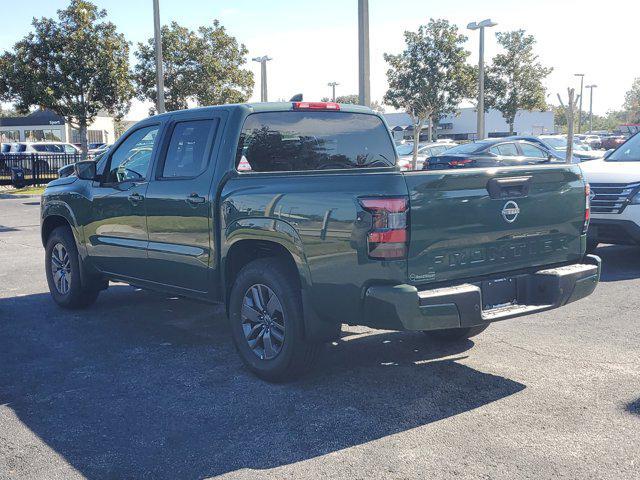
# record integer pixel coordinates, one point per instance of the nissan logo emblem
(510, 211)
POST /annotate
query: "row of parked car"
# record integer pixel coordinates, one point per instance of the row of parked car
(508, 151)
(613, 175)
(44, 148)
(601, 141)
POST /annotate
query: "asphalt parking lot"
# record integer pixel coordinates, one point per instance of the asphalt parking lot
(145, 386)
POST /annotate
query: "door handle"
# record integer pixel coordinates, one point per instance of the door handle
(511, 187)
(194, 199)
(135, 198)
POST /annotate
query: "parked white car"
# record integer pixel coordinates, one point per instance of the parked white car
(44, 147)
(615, 196)
(581, 151)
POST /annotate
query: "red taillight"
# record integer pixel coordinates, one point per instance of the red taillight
(587, 208)
(315, 106)
(388, 237)
(460, 163)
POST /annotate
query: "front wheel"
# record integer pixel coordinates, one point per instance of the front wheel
(62, 267)
(456, 334)
(265, 311)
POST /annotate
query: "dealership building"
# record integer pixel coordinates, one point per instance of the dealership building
(45, 125)
(463, 125)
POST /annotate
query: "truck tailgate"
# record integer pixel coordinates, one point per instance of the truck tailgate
(474, 222)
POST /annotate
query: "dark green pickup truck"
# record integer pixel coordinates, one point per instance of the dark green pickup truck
(295, 216)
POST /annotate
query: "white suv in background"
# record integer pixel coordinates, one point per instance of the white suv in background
(615, 196)
(44, 148)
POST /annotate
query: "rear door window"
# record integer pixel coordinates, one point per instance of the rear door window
(532, 151)
(508, 150)
(300, 141)
(187, 152)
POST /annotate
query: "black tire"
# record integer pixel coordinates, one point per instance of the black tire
(77, 295)
(592, 244)
(296, 355)
(456, 334)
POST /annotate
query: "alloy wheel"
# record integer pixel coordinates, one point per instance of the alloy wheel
(263, 321)
(61, 268)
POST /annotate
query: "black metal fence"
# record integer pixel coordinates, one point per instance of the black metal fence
(38, 168)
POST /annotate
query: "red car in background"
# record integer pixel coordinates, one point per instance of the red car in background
(612, 141)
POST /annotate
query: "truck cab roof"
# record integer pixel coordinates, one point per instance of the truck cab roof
(248, 108)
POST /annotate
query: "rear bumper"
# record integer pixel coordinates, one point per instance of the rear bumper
(616, 231)
(404, 307)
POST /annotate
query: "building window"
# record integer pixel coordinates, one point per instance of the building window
(40, 135)
(93, 136)
(9, 135)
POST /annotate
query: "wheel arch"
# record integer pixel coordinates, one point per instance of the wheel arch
(55, 214)
(248, 239)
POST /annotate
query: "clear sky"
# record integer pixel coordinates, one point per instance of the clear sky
(315, 42)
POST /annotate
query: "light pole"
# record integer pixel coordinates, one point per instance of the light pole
(263, 76)
(364, 84)
(591, 87)
(581, 75)
(158, 48)
(481, 26)
(333, 86)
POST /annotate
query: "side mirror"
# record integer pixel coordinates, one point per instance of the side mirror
(86, 170)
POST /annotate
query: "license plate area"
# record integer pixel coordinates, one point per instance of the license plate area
(499, 293)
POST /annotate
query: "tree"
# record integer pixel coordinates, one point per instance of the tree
(430, 77)
(76, 66)
(514, 79)
(632, 102)
(354, 99)
(203, 66)
(610, 121)
(7, 112)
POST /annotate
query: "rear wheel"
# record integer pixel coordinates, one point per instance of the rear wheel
(456, 334)
(62, 266)
(265, 311)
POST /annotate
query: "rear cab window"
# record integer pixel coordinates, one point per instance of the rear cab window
(292, 141)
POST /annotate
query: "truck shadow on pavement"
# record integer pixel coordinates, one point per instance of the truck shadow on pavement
(141, 385)
(619, 262)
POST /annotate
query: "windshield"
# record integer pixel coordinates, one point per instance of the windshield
(556, 142)
(628, 152)
(405, 149)
(560, 143)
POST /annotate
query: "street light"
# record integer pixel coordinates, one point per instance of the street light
(364, 82)
(481, 26)
(263, 76)
(581, 75)
(591, 87)
(158, 50)
(333, 86)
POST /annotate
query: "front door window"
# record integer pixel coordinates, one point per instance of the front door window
(130, 162)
